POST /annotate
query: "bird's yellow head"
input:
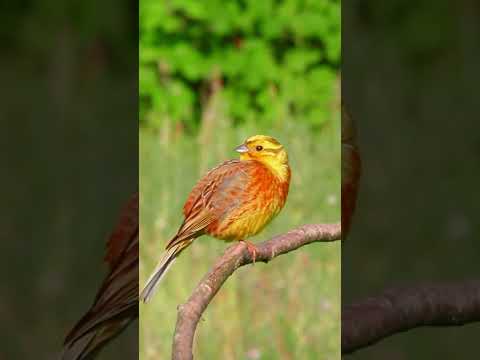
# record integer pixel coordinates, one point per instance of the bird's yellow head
(268, 151)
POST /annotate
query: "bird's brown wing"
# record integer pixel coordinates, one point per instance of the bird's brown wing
(351, 169)
(116, 302)
(220, 191)
(126, 228)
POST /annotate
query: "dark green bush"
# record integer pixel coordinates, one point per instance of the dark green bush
(273, 59)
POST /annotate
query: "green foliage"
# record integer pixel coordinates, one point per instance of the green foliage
(273, 59)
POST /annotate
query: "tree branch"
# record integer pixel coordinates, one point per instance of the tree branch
(234, 257)
(402, 309)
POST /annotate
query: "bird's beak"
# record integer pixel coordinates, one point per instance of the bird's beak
(241, 149)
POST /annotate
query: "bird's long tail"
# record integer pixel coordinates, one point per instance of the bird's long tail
(88, 345)
(168, 258)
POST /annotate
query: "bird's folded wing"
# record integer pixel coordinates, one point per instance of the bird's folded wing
(126, 228)
(219, 192)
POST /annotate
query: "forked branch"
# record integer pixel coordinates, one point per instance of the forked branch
(234, 257)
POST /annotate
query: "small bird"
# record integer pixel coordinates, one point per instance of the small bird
(232, 202)
(116, 303)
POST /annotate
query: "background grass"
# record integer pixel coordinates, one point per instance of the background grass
(287, 309)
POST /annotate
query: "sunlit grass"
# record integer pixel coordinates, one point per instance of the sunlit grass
(287, 309)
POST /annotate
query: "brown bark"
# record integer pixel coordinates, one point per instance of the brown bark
(401, 309)
(234, 257)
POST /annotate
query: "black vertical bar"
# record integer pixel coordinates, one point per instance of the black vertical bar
(409, 80)
(69, 155)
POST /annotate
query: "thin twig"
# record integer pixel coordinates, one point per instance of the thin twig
(234, 257)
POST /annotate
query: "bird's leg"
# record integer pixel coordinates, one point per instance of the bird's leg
(252, 249)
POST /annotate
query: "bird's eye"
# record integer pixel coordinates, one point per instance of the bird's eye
(259, 148)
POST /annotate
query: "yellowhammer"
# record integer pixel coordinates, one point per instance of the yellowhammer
(233, 201)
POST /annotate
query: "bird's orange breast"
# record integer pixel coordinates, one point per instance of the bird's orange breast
(251, 206)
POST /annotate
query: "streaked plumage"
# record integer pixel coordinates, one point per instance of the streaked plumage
(233, 201)
(116, 303)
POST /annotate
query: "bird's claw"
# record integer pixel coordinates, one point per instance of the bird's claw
(252, 250)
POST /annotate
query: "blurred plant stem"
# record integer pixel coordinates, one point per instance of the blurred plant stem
(213, 117)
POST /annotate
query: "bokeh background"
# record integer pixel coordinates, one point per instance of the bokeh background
(409, 78)
(69, 155)
(211, 74)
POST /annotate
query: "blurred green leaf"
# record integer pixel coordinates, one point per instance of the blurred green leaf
(291, 46)
(297, 60)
